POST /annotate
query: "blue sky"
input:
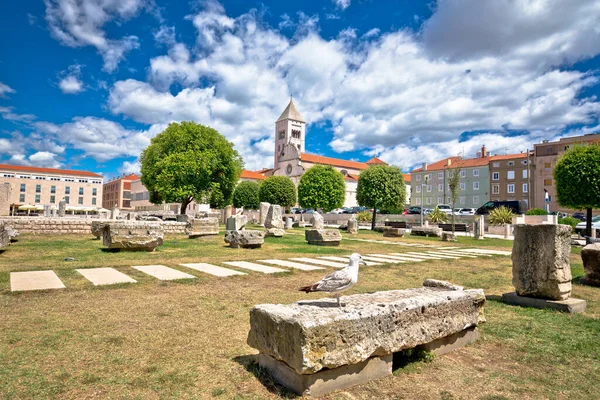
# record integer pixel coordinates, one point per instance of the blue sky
(85, 84)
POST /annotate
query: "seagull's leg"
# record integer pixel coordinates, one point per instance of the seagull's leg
(337, 296)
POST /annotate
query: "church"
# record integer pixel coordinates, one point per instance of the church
(291, 160)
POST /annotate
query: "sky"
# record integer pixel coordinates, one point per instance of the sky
(85, 84)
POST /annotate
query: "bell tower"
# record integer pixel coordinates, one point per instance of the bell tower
(290, 128)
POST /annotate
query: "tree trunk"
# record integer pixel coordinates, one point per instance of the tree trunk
(184, 205)
(452, 216)
(374, 218)
(588, 222)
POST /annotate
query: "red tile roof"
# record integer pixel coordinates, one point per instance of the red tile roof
(376, 160)
(455, 162)
(27, 169)
(130, 177)
(336, 162)
(246, 174)
(406, 177)
(509, 157)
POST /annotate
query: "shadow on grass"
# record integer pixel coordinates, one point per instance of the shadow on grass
(250, 363)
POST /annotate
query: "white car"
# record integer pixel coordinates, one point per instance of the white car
(580, 227)
(467, 211)
(336, 211)
(445, 208)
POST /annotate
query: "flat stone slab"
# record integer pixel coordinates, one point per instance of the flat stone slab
(291, 264)
(313, 335)
(34, 280)
(571, 305)
(400, 258)
(163, 273)
(105, 276)
(321, 262)
(255, 267)
(346, 259)
(419, 255)
(438, 254)
(213, 269)
(382, 259)
(486, 251)
(460, 254)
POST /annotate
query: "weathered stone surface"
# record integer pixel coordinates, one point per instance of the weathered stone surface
(448, 237)
(202, 227)
(312, 335)
(263, 211)
(274, 232)
(352, 225)
(299, 224)
(389, 231)
(317, 221)
(434, 283)
(323, 237)
(236, 223)
(10, 231)
(570, 305)
(62, 207)
(540, 260)
(97, 227)
(590, 255)
(134, 236)
(289, 223)
(114, 213)
(246, 239)
(430, 231)
(274, 217)
(4, 236)
(227, 212)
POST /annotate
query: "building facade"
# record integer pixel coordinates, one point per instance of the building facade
(511, 177)
(117, 192)
(48, 186)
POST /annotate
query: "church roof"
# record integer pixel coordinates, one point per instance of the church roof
(336, 162)
(257, 176)
(290, 112)
(375, 160)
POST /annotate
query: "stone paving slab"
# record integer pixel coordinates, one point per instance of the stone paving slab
(324, 263)
(291, 264)
(395, 243)
(163, 273)
(105, 276)
(34, 280)
(346, 260)
(381, 260)
(255, 267)
(456, 253)
(213, 269)
(464, 253)
(437, 254)
(486, 251)
(420, 255)
(401, 258)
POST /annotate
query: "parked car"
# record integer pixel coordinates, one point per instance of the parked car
(445, 208)
(427, 211)
(579, 215)
(337, 211)
(580, 227)
(517, 206)
(560, 214)
(456, 211)
(467, 211)
(414, 210)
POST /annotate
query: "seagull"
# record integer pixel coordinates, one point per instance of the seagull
(338, 281)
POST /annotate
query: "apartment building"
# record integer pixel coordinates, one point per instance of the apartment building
(117, 192)
(511, 177)
(48, 186)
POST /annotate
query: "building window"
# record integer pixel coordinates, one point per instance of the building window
(81, 191)
(67, 189)
(510, 175)
(418, 202)
(418, 178)
(524, 162)
(450, 174)
(52, 199)
(496, 165)
(419, 189)
(495, 189)
(475, 185)
(37, 199)
(53, 189)
(429, 188)
(281, 134)
(427, 177)
(463, 199)
(93, 201)
(495, 176)
(463, 174)
(94, 191)
(428, 201)
(463, 186)
(524, 174)
(440, 200)
(21, 198)
(525, 188)
(475, 172)
(510, 188)
(38, 188)
(547, 165)
(547, 182)
(23, 187)
(67, 199)
(440, 175)
(511, 163)
(441, 187)
(475, 200)
(80, 200)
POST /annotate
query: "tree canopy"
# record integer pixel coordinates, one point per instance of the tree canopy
(322, 187)
(278, 190)
(189, 161)
(246, 195)
(577, 175)
(381, 186)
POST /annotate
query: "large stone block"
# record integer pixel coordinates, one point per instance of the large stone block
(133, 236)
(540, 260)
(246, 239)
(97, 227)
(389, 231)
(264, 210)
(317, 221)
(430, 231)
(352, 226)
(310, 336)
(4, 235)
(274, 232)
(236, 223)
(203, 227)
(274, 217)
(323, 237)
(590, 255)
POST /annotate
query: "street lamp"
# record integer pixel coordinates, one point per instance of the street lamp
(422, 203)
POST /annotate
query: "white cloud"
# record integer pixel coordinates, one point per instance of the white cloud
(130, 168)
(342, 4)
(78, 23)
(39, 159)
(5, 89)
(71, 84)
(8, 114)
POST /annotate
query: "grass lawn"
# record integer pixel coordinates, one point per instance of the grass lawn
(187, 339)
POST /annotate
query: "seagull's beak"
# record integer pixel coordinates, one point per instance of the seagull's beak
(362, 262)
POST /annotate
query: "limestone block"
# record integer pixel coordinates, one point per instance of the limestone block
(97, 227)
(389, 231)
(317, 221)
(430, 231)
(448, 237)
(299, 224)
(11, 231)
(227, 212)
(312, 335)
(590, 255)
(134, 236)
(540, 260)
(289, 223)
(274, 232)
(274, 217)
(203, 227)
(236, 223)
(4, 236)
(264, 210)
(323, 237)
(246, 239)
(62, 207)
(352, 226)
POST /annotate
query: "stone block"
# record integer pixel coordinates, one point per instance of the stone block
(389, 231)
(236, 223)
(202, 227)
(540, 261)
(263, 211)
(323, 237)
(97, 227)
(352, 227)
(4, 236)
(450, 343)
(310, 336)
(133, 236)
(227, 212)
(299, 224)
(274, 217)
(246, 239)
(430, 231)
(317, 221)
(448, 237)
(569, 305)
(590, 255)
(289, 223)
(274, 232)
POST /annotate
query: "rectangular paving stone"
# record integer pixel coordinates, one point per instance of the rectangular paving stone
(105, 276)
(381, 260)
(401, 258)
(420, 255)
(457, 253)
(492, 252)
(346, 259)
(163, 273)
(291, 264)
(324, 263)
(255, 267)
(213, 269)
(462, 253)
(435, 253)
(34, 280)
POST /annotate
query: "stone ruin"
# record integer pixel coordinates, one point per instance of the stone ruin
(236, 223)
(323, 237)
(62, 208)
(97, 228)
(390, 231)
(200, 227)
(132, 236)
(5, 237)
(590, 255)
(274, 222)
(237, 236)
(317, 221)
(263, 211)
(314, 347)
(541, 268)
(352, 226)
(429, 231)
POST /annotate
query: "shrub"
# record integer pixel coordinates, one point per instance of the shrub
(246, 195)
(278, 190)
(364, 216)
(569, 221)
(501, 215)
(321, 187)
(536, 211)
(437, 216)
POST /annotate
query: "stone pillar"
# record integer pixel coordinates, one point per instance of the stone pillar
(264, 209)
(590, 255)
(352, 225)
(5, 194)
(316, 221)
(62, 207)
(274, 218)
(426, 223)
(480, 228)
(226, 213)
(507, 230)
(47, 210)
(289, 222)
(54, 213)
(114, 213)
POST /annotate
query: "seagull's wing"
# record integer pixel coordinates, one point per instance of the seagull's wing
(334, 281)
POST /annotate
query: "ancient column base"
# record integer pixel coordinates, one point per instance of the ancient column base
(571, 305)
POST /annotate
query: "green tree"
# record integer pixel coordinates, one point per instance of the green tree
(454, 184)
(246, 195)
(189, 161)
(577, 175)
(278, 190)
(321, 187)
(381, 186)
